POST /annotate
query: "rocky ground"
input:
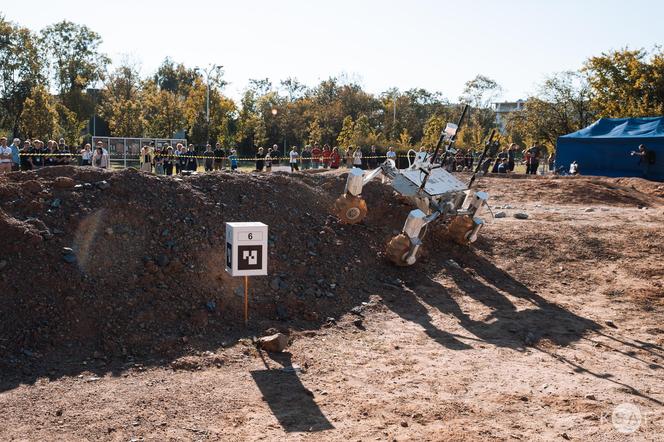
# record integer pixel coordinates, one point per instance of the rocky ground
(119, 323)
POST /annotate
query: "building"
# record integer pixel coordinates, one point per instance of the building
(502, 109)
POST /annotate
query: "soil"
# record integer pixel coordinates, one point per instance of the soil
(119, 321)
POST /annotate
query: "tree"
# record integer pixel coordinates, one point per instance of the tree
(315, 133)
(626, 83)
(561, 106)
(19, 72)
(432, 130)
(221, 110)
(405, 139)
(162, 111)
(361, 130)
(122, 104)
(75, 62)
(70, 126)
(345, 137)
(175, 78)
(40, 116)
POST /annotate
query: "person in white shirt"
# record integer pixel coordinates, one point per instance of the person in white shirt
(5, 156)
(86, 155)
(100, 158)
(293, 159)
(357, 158)
(391, 154)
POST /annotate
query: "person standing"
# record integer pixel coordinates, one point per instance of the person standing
(268, 161)
(326, 156)
(218, 154)
(275, 154)
(5, 156)
(316, 156)
(158, 161)
(233, 160)
(391, 154)
(552, 162)
(647, 158)
(306, 157)
(357, 157)
(86, 155)
(26, 155)
(533, 159)
(146, 159)
(169, 161)
(192, 162)
(293, 159)
(100, 158)
(335, 158)
(372, 160)
(511, 153)
(260, 160)
(15, 147)
(209, 157)
(349, 157)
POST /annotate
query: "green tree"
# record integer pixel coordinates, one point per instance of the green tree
(20, 73)
(70, 127)
(627, 83)
(162, 111)
(361, 131)
(315, 132)
(432, 130)
(405, 139)
(561, 106)
(345, 137)
(122, 104)
(75, 63)
(40, 116)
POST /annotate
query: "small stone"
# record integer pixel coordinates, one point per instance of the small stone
(103, 185)
(453, 263)
(63, 182)
(109, 230)
(591, 397)
(162, 260)
(404, 424)
(500, 215)
(520, 215)
(275, 283)
(56, 203)
(565, 436)
(588, 210)
(611, 324)
(274, 343)
(3, 264)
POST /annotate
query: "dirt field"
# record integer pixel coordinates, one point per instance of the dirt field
(537, 332)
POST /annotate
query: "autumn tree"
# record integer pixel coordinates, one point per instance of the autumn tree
(122, 104)
(40, 116)
(19, 72)
(561, 106)
(626, 83)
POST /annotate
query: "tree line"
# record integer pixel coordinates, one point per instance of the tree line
(53, 81)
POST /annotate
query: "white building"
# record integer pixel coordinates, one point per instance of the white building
(503, 108)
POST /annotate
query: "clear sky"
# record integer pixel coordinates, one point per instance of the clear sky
(437, 45)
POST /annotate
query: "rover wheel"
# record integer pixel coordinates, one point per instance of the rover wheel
(459, 229)
(397, 248)
(350, 209)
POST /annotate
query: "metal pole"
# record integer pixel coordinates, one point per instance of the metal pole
(246, 301)
(394, 116)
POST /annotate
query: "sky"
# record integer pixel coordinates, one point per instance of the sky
(436, 45)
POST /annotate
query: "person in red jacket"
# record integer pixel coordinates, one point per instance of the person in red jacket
(326, 156)
(316, 156)
(335, 158)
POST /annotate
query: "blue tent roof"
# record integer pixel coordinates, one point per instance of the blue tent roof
(604, 147)
(646, 127)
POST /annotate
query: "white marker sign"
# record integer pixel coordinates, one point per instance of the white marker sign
(246, 249)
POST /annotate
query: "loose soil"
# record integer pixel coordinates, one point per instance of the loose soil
(536, 332)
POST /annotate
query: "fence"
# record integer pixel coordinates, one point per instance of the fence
(126, 151)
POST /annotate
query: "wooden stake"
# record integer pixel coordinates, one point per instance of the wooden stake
(246, 301)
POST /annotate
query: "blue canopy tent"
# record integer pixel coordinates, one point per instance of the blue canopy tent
(604, 147)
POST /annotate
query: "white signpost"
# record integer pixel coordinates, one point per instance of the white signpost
(246, 254)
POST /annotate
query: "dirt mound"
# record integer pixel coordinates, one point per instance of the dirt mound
(125, 262)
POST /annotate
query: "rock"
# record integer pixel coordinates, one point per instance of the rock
(162, 260)
(358, 322)
(3, 264)
(565, 436)
(357, 310)
(63, 182)
(274, 343)
(530, 338)
(404, 424)
(282, 312)
(32, 186)
(588, 210)
(109, 230)
(453, 263)
(520, 215)
(274, 284)
(211, 306)
(56, 203)
(591, 397)
(103, 185)
(611, 324)
(500, 215)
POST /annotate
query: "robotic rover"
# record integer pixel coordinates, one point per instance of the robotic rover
(437, 194)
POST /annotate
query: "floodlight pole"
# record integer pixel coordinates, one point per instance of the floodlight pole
(207, 72)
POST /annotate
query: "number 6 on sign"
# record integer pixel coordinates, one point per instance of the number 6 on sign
(246, 249)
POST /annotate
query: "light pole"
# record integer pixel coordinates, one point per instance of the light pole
(208, 72)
